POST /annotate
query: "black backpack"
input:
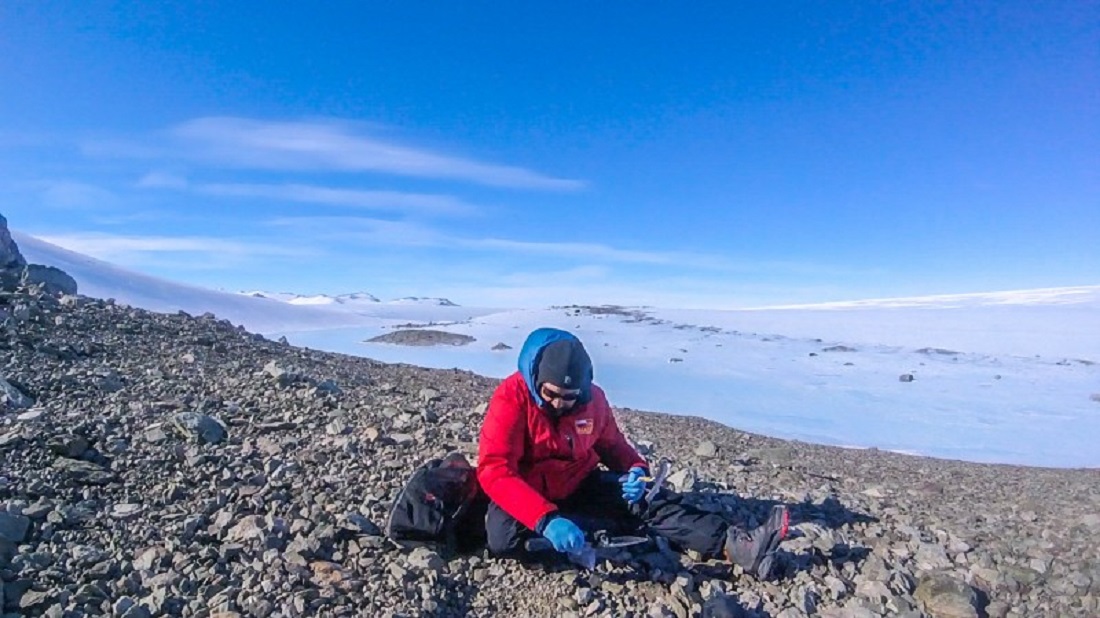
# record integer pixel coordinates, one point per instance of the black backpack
(441, 503)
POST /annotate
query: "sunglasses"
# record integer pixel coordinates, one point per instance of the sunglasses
(550, 395)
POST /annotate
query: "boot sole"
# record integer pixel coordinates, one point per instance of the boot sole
(778, 524)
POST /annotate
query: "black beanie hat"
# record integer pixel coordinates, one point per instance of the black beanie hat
(565, 364)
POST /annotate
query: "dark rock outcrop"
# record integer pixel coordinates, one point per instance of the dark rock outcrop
(15, 272)
(10, 257)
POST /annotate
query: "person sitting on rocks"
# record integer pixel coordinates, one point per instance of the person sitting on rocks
(547, 429)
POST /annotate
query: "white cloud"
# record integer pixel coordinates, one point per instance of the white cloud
(571, 276)
(331, 146)
(132, 249)
(410, 234)
(74, 194)
(375, 200)
(365, 230)
(574, 249)
(162, 180)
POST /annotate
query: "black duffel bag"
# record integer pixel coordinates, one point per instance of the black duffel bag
(441, 503)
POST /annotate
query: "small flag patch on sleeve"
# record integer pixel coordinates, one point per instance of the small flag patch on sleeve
(584, 426)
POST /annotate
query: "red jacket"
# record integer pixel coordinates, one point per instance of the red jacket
(527, 460)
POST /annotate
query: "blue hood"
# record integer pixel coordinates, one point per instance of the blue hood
(531, 353)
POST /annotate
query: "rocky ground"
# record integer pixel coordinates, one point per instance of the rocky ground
(175, 465)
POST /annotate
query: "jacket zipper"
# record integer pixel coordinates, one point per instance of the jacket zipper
(568, 438)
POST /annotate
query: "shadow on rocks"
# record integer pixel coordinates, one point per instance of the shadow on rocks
(454, 595)
(830, 512)
(814, 526)
(455, 599)
(724, 606)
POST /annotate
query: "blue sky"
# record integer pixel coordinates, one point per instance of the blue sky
(520, 154)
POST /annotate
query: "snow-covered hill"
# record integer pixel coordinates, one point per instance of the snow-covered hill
(351, 301)
(260, 312)
(104, 280)
(1001, 377)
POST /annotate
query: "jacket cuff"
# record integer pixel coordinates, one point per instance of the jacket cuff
(546, 519)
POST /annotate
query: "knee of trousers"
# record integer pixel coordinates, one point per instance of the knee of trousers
(503, 543)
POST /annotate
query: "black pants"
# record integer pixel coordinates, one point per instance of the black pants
(598, 505)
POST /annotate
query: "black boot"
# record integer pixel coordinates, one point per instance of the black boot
(755, 551)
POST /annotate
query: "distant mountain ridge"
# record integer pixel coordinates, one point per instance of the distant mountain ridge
(1073, 295)
(349, 300)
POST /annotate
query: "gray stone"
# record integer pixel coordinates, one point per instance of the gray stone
(121, 605)
(201, 427)
(83, 472)
(724, 606)
(682, 480)
(14, 527)
(31, 415)
(13, 397)
(1091, 520)
(69, 445)
(931, 557)
(706, 449)
(425, 559)
(34, 598)
(89, 593)
(873, 590)
(249, 528)
(363, 525)
(137, 611)
(52, 279)
(86, 555)
(126, 511)
(941, 595)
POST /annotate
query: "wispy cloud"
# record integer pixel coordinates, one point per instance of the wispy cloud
(333, 146)
(162, 180)
(365, 230)
(572, 276)
(75, 194)
(405, 233)
(131, 249)
(427, 203)
(381, 200)
(579, 250)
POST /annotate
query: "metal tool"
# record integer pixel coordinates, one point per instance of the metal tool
(600, 540)
(586, 555)
(663, 468)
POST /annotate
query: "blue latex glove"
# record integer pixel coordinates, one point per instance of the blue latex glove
(564, 534)
(633, 485)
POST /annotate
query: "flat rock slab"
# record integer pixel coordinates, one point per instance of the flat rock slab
(422, 337)
(83, 472)
(944, 596)
(201, 427)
